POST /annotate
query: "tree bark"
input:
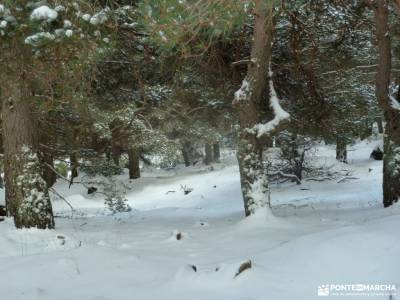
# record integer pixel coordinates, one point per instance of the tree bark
(248, 102)
(73, 157)
(216, 152)
(116, 156)
(379, 124)
(341, 150)
(391, 159)
(27, 197)
(186, 153)
(134, 163)
(48, 165)
(117, 135)
(208, 160)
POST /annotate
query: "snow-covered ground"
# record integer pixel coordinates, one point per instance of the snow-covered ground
(330, 232)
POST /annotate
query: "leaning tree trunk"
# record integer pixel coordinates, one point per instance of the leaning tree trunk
(248, 102)
(134, 163)
(27, 196)
(391, 159)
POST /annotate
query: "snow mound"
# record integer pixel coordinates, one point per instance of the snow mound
(365, 252)
(21, 242)
(226, 274)
(262, 218)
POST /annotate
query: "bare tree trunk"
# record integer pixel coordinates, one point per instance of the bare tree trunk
(27, 196)
(298, 171)
(391, 159)
(189, 153)
(341, 149)
(208, 160)
(73, 158)
(216, 152)
(134, 163)
(185, 155)
(248, 102)
(116, 127)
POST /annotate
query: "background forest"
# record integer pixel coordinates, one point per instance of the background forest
(98, 86)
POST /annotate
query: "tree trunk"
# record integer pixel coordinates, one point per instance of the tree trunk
(116, 156)
(380, 125)
(366, 130)
(248, 102)
(48, 165)
(341, 150)
(73, 157)
(117, 135)
(391, 159)
(134, 163)
(186, 153)
(300, 166)
(27, 197)
(216, 152)
(208, 160)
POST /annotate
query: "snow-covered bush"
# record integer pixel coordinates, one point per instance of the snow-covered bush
(111, 188)
(294, 150)
(115, 200)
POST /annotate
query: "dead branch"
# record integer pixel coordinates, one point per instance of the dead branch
(280, 174)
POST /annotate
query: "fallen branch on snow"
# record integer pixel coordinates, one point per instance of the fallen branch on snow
(319, 179)
(280, 174)
(347, 178)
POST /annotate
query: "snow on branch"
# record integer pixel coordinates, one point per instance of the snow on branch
(395, 104)
(44, 13)
(243, 93)
(280, 114)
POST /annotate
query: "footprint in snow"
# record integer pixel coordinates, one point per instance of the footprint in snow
(202, 224)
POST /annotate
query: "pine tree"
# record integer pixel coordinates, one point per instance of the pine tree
(38, 43)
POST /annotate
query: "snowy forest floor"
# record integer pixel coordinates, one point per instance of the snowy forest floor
(329, 232)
